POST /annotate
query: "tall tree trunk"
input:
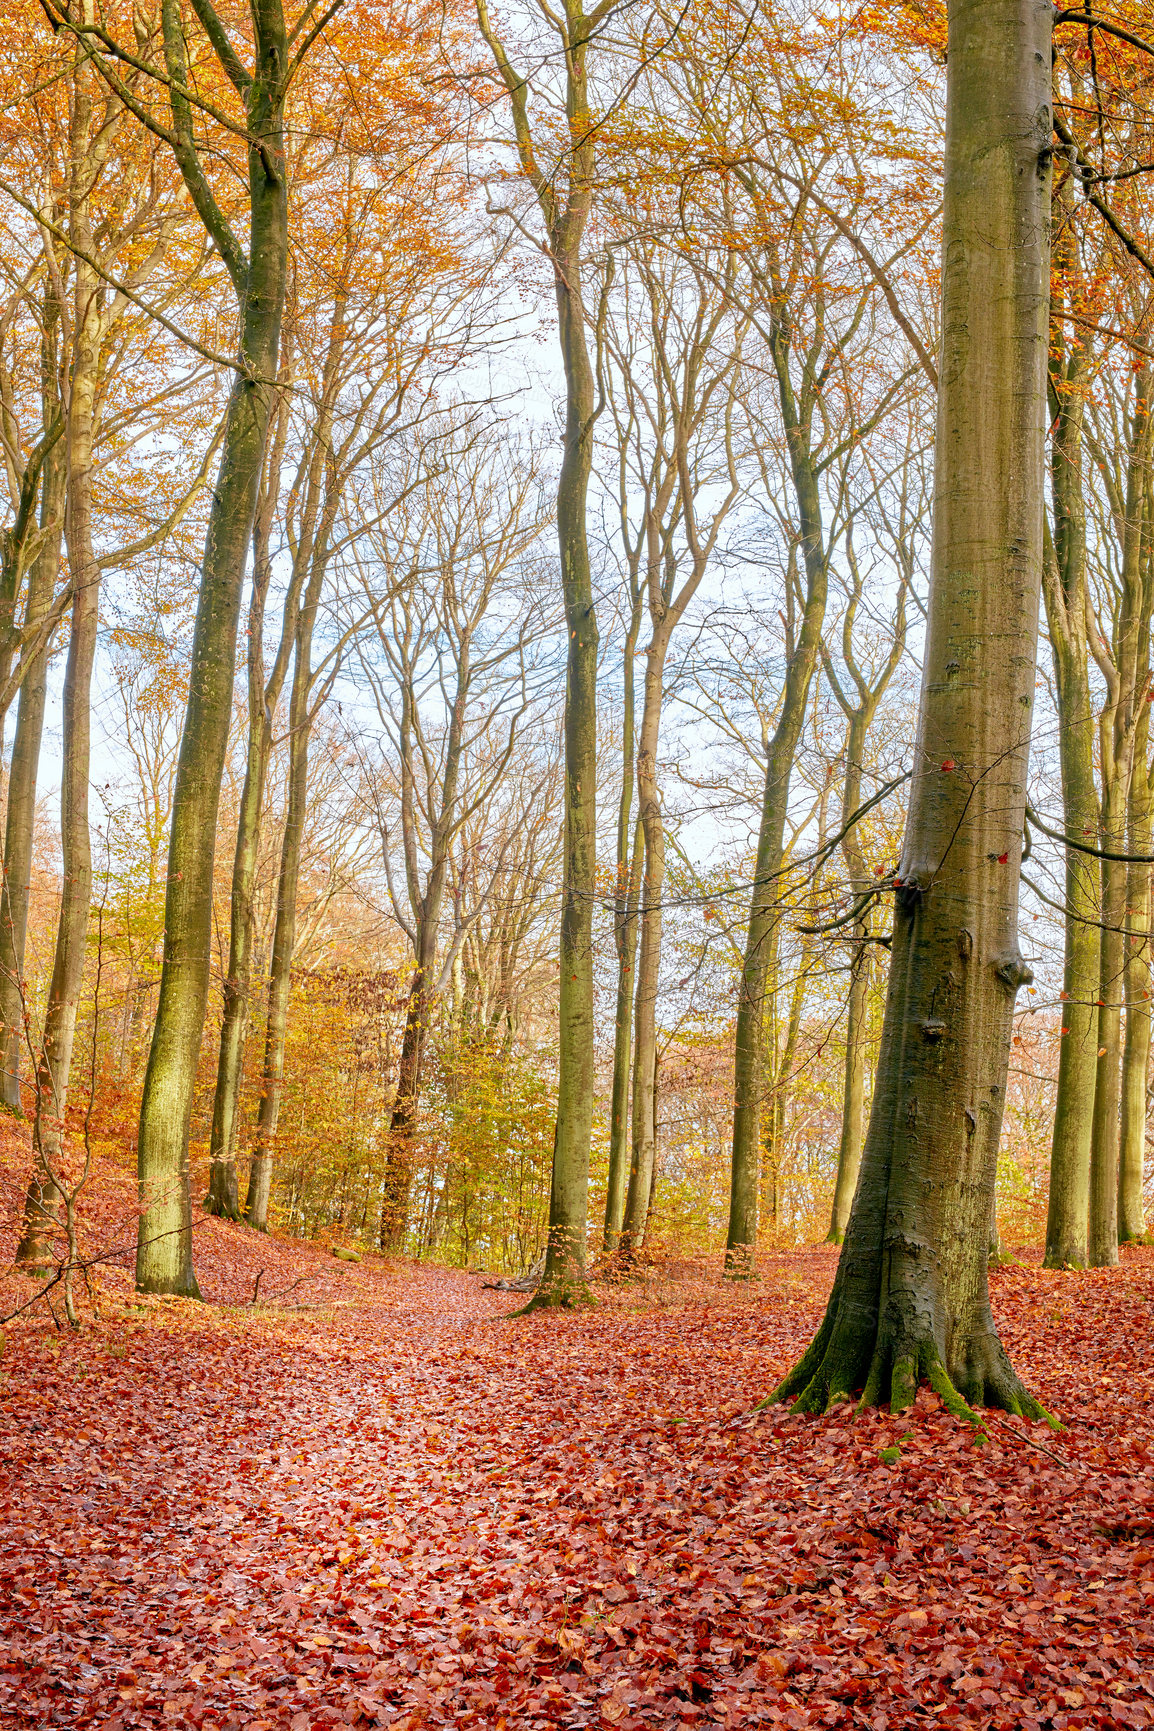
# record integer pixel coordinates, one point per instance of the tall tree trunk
(20, 818)
(1128, 679)
(403, 1119)
(565, 219)
(1136, 1055)
(1103, 1241)
(629, 862)
(1064, 587)
(164, 1243)
(223, 1196)
(857, 1002)
(749, 1044)
(629, 866)
(853, 1085)
(649, 950)
(773, 1132)
(911, 1294)
(54, 1058)
(284, 935)
(564, 1276)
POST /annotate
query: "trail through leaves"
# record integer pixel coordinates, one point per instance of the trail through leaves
(405, 1510)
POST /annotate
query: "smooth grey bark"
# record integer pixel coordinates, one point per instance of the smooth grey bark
(1136, 1052)
(565, 199)
(164, 1242)
(910, 1299)
(1064, 589)
(1125, 668)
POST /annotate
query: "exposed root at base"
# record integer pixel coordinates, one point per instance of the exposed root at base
(559, 1295)
(830, 1373)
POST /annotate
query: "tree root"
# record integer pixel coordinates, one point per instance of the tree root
(558, 1295)
(831, 1371)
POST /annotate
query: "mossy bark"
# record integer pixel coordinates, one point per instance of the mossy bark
(164, 1240)
(910, 1299)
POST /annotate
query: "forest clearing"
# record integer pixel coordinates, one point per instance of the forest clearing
(396, 1506)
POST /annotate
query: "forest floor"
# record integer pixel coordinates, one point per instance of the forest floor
(396, 1506)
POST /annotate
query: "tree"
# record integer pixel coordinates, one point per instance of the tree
(450, 667)
(859, 698)
(97, 124)
(910, 1299)
(1065, 592)
(678, 383)
(376, 304)
(564, 191)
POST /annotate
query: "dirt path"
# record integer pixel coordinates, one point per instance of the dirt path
(409, 1512)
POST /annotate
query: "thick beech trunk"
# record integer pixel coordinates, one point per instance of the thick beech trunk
(910, 1299)
(164, 1244)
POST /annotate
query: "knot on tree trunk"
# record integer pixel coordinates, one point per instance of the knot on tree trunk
(1015, 973)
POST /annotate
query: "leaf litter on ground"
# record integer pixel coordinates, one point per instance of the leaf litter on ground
(402, 1509)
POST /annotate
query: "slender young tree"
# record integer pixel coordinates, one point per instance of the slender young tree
(20, 813)
(859, 698)
(910, 1299)
(1064, 590)
(564, 191)
(1123, 660)
(451, 683)
(1136, 1052)
(683, 465)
